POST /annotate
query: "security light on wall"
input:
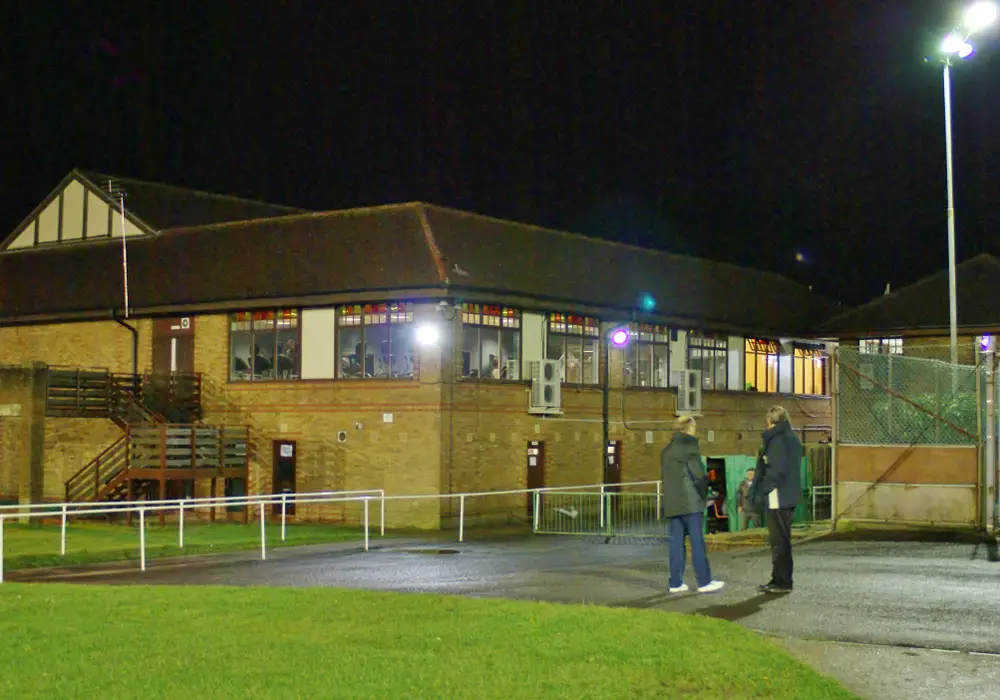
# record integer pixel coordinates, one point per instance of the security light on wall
(427, 335)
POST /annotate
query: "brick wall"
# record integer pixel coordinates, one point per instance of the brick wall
(71, 443)
(22, 441)
(92, 344)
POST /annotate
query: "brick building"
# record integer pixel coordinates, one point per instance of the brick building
(385, 347)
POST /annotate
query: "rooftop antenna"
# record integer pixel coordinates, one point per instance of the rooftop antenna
(119, 194)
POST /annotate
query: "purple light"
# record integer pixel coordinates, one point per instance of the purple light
(619, 337)
(985, 342)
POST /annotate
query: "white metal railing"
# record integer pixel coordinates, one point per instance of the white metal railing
(821, 491)
(65, 510)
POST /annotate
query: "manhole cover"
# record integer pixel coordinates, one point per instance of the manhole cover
(431, 551)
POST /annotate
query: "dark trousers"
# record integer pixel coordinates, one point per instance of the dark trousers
(779, 535)
(691, 526)
(751, 518)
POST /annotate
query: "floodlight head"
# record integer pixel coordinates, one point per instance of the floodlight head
(980, 16)
(966, 52)
(952, 43)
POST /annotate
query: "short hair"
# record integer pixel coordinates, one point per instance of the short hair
(682, 424)
(777, 414)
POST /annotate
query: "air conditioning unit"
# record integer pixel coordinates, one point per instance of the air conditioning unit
(688, 392)
(546, 388)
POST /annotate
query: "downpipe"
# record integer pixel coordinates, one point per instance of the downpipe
(135, 351)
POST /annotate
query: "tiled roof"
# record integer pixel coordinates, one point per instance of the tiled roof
(923, 306)
(388, 249)
(166, 206)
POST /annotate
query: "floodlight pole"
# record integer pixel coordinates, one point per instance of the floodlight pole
(952, 285)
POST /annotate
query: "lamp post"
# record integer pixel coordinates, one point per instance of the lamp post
(977, 17)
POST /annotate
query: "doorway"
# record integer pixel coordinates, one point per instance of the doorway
(536, 471)
(613, 464)
(283, 474)
(173, 345)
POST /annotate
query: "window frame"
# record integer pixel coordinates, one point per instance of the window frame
(718, 344)
(815, 353)
(756, 348)
(892, 345)
(234, 317)
(564, 327)
(497, 317)
(649, 336)
(396, 313)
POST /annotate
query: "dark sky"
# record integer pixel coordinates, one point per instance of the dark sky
(737, 130)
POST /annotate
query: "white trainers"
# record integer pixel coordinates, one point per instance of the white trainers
(679, 589)
(711, 587)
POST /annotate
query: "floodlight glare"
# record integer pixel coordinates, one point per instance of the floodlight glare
(619, 337)
(952, 43)
(980, 16)
(985, 342)
(427, 335)
(966, 51)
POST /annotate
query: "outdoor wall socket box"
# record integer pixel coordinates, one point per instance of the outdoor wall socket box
(711, 436)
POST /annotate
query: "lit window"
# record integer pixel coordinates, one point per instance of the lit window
(264, 345)
(574, 341)
(763, 359)
(809, 371)
(375, 341)
(491, 342)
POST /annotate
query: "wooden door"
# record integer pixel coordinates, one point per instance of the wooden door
(173, 345)
(536, 471)
(613, 463)
(283, 474)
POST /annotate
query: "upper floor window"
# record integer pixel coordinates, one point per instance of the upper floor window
(763, 358)
(648, 354)
(574, 341)
(264, 345)
(881, 346)
(491, 342)
(709, 353)
(375, 341)
(809, 371)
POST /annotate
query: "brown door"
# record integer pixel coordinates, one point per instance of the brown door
(536, 471)
(283, 475)
(613, 463)
(173, 345)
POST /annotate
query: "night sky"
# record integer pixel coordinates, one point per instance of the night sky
(735, 130)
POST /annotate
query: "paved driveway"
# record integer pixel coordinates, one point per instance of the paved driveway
(937, 595)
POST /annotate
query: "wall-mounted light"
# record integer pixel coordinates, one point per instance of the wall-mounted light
(427, 334)
(986, 343)
(619, 337)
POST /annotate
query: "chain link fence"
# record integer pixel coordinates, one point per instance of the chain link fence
(897, 399)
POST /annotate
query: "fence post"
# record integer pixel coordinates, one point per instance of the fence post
(382, 514)
(142, 539)
(367, 499)
(461, 518)
(659, 498)
(600, 507)
(180, 536)
(62, 536)
(537, 496)
(283, 511)
(263, 539)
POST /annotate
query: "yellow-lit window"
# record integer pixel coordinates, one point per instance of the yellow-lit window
(809, 371)
(763, 358)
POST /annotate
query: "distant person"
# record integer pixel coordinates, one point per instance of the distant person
(776, 491)
(685, 489)
(749, 514)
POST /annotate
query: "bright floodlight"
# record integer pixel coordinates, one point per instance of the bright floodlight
(619, 337)
(966, 51)
(985, 342)
(952, 43)
(427, 334)
(980, 16)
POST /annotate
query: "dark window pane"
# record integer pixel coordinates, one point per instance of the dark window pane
(401, 363)
(351, 352)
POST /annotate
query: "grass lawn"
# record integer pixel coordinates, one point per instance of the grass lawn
(27, 546)
(110, 642)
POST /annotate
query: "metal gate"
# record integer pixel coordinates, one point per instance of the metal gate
(607, 510)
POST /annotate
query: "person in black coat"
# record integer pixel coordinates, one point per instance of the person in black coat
(776, 491)
(683, 506)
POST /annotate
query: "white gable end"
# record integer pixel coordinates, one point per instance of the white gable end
(74, 214)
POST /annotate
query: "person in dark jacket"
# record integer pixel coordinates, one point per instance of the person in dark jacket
(749, 516)
(683, 506)
(776, 491)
